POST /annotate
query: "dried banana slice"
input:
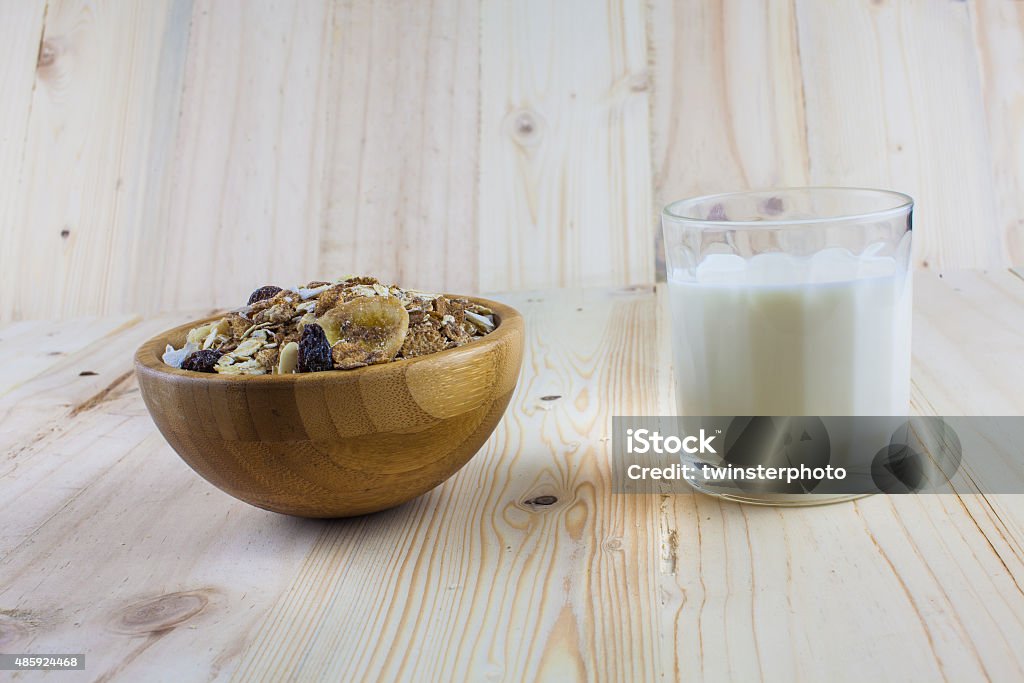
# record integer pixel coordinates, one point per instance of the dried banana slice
(366, 330)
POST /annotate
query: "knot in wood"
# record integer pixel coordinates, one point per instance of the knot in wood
(158, 614)
(524, 126)
(47, 54)
(639, 82)
(613, 544)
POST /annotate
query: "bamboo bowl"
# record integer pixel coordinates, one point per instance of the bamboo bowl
(339, 443)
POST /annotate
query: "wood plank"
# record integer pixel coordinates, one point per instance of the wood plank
(30, 347)
(727, 106)
(877, 82)
(244, 204)
(285, 136)
(968, 332)
(105, 479)
(999, 41)
(883, 588)
(130, 585)
(565, 177)
(401, 145)
(817, 93)
(37, 410)
(21, 29)
(146, 135)
(968, 328)
(103, 94)
(36, 413)
(604, 586)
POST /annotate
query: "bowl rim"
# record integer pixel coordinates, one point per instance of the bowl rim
(148, 356)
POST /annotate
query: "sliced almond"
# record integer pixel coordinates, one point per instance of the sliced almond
(288, 359)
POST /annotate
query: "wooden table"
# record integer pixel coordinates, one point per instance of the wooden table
(111, 546)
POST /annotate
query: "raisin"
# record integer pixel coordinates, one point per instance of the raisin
(265, 292)
(314, 350)
(201, 361)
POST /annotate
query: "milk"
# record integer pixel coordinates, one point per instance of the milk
(783, 335)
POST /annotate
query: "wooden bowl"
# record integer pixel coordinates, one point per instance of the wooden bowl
(338, 443)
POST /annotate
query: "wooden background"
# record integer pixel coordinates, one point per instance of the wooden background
(170, 154)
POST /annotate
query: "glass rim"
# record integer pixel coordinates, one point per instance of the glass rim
(903, 203)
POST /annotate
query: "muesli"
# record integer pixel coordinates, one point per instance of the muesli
(349, 323)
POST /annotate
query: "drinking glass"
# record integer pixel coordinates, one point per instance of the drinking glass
(791, 302)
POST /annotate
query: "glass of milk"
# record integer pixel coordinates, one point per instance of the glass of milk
(790, 302)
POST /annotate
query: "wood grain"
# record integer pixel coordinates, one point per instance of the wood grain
(124, 594)
(999, 39)
(401, 145)
(39, 345)
(878, 79)
(103, 94)
(565, 168)
(111, 542)
(954, 324)
(961, 347)
(21, 28)
(850, 93)
(727, 106)
(177, 154)
(244, 197)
